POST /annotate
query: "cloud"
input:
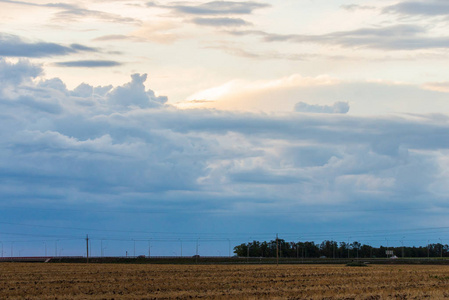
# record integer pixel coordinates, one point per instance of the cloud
(216, 8)
(442, 87)
(14, 46)
(261, 176)
(89, 63)
(213, 13)
(74, 13)
(157, 32)
(337, 108)
(71, 12)
(241, 51)
(419, 8)
(163, 32)
(19, 72)
(395, 37)
(79, 47)
(134, 94)
(87, 91)
(354, 7)
(111, 37)
(221, 22)
(121, 148)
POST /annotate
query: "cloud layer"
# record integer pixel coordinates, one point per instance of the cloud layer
(125, 142)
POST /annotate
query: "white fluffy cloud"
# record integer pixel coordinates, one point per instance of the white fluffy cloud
(134, 94)
(17, 73)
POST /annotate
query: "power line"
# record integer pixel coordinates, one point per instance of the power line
(271, 211)
(234, 235)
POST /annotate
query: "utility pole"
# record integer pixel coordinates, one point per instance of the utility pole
(149, 248)
(196, 256)
(348, 246)
(277, 250)
(333, 248)
(402, 242)
(87, 248)
(387, 245)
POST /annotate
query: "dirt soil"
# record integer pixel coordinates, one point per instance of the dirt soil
(145, 281)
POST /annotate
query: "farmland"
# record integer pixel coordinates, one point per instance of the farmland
(148, 281)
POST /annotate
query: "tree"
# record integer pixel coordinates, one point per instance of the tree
(328, 248)
(344, 249)
(356, 246)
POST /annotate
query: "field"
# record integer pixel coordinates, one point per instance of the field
(145, 281)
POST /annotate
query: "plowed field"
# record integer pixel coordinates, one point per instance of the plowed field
(111, 281)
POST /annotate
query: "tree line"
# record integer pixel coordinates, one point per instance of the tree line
(333, 249)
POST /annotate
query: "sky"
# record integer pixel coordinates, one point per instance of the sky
(156, 126)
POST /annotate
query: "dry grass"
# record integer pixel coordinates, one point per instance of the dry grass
(108, 281)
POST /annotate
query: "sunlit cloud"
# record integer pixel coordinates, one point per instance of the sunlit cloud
(437, 86)
(240, 94)
(164, 32)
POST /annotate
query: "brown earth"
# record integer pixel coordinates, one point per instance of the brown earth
(129, 281)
